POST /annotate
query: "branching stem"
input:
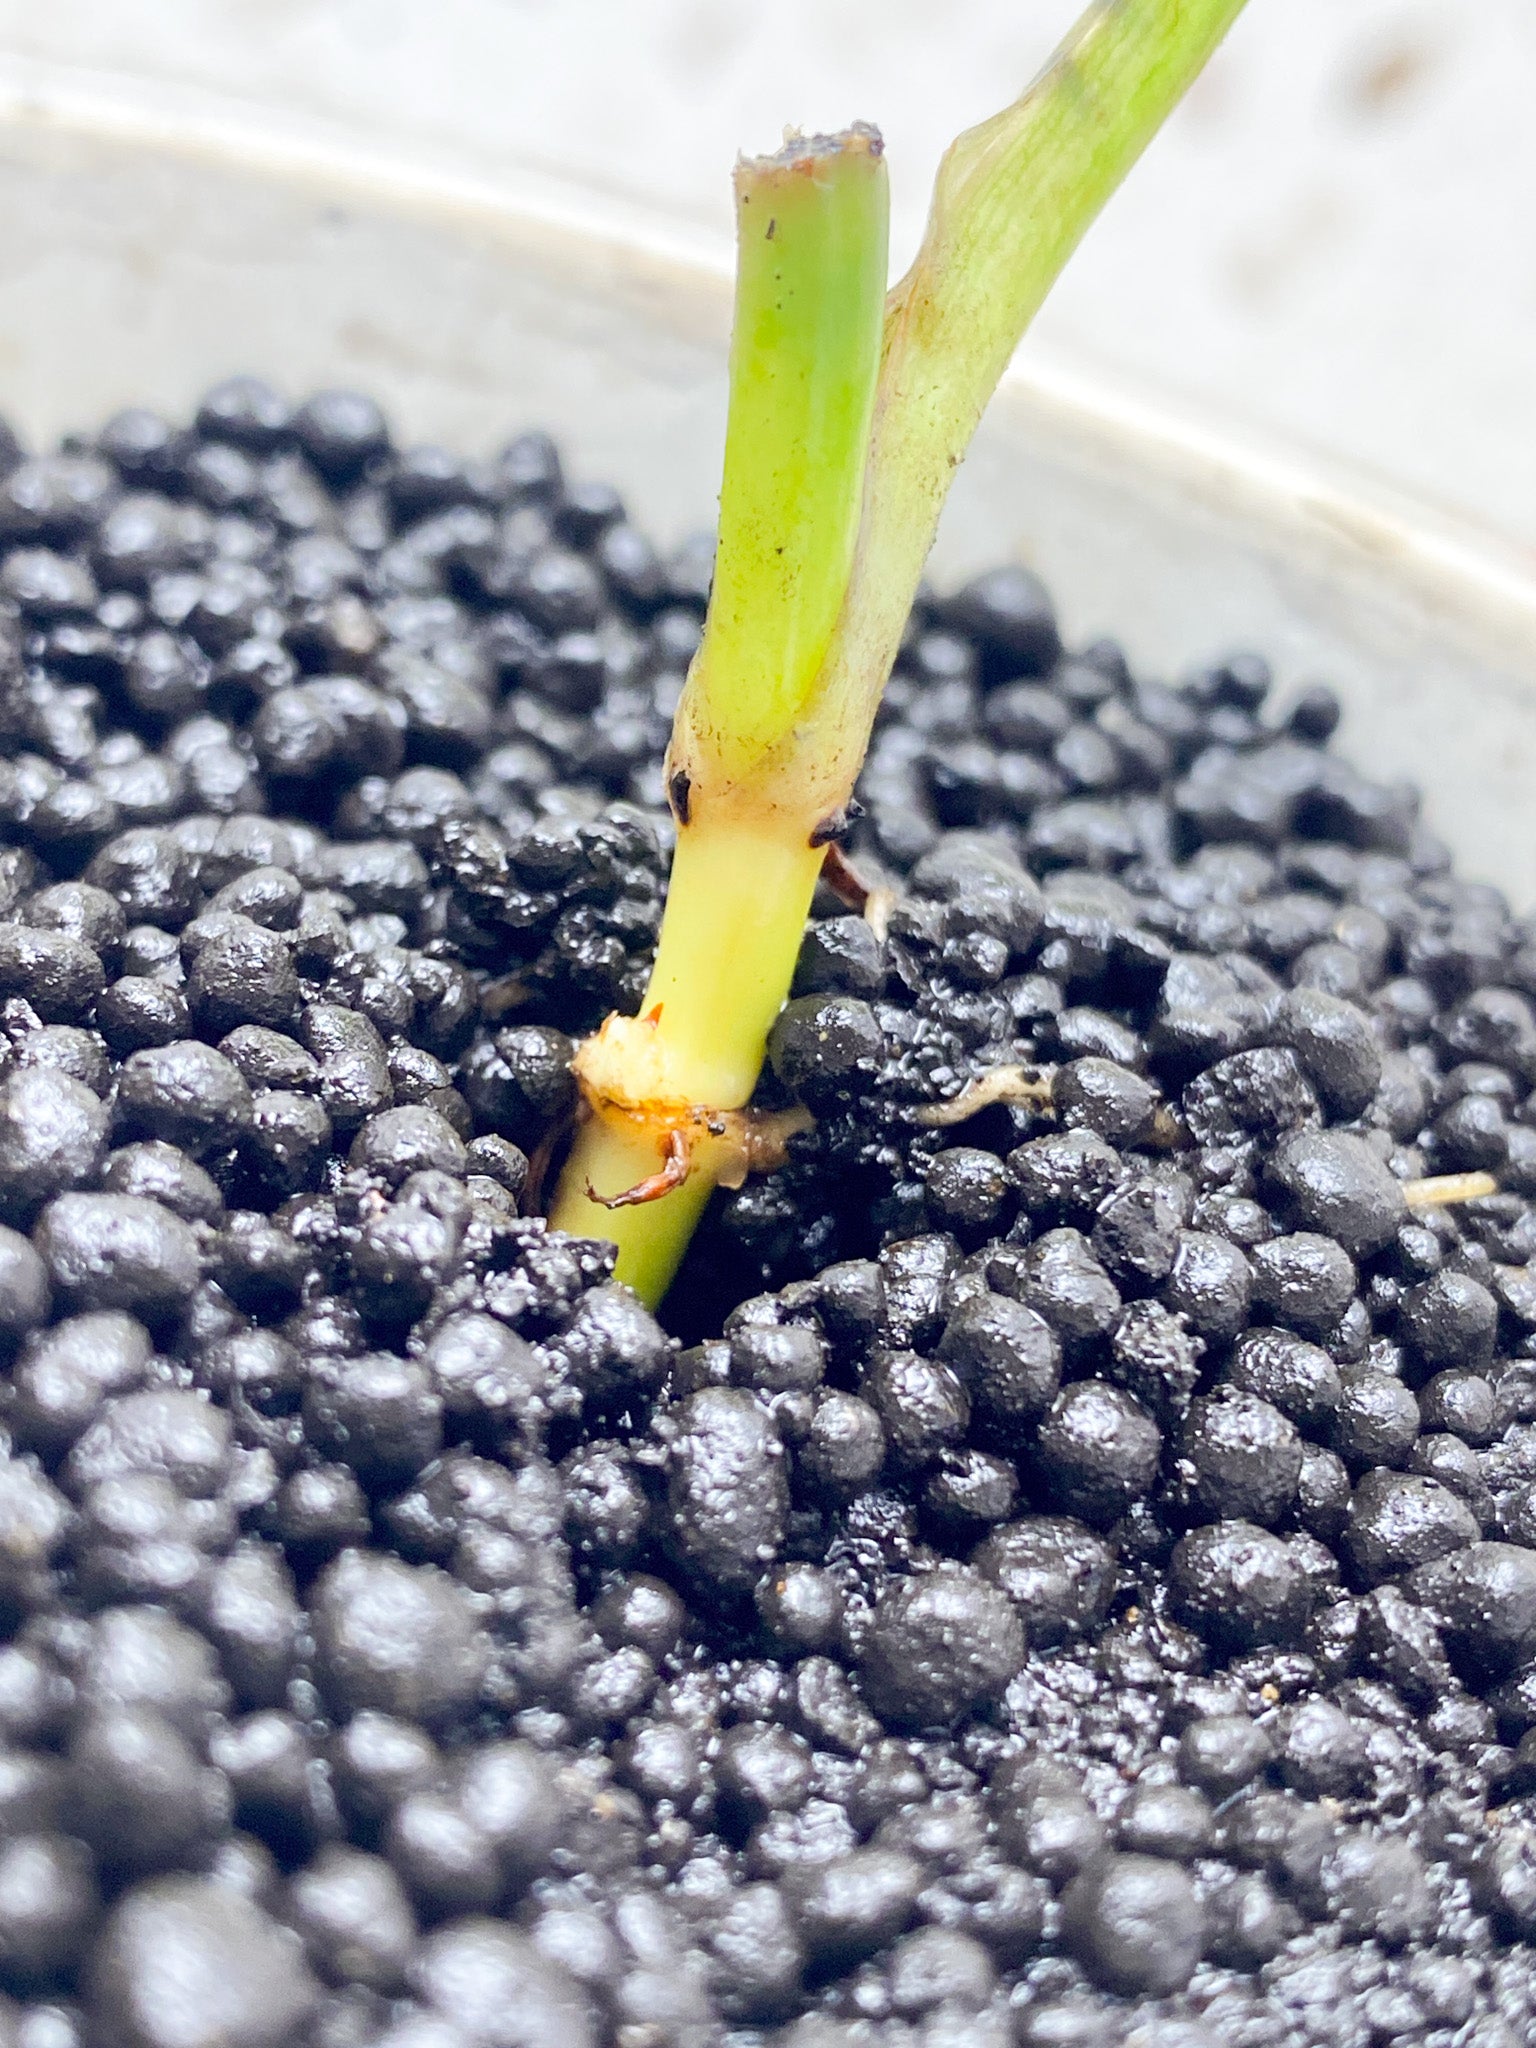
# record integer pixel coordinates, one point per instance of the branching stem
(849, 414)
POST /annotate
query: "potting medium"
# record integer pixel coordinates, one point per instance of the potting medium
(1059, 1567)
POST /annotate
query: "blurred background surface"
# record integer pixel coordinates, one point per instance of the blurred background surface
(1330, 244)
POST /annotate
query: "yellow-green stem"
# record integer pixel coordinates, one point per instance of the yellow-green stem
(736, 910)
(834, 479)
(1013, 198)
(805, 355)
(651, 1238)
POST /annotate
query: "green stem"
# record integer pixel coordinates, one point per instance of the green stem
(805, 355)
(741, 892)
(651, 1239)
(811, 231)
(736, 909)
(1012, 200)
(834, 480)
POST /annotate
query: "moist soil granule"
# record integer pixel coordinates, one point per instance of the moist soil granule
(1061, 1571)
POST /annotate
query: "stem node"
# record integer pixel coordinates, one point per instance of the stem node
(849, 413)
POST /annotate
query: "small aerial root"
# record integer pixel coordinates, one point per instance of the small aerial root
(998, 1084)
(1439, 1190)
(731, 1143)
(1034, 1087)
(673, 1173)
(499, 998)
(761, 1139)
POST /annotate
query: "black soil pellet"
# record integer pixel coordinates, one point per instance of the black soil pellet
(1065, 1574)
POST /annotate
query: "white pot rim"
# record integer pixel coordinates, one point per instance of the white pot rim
(155, 241)
(684, 273)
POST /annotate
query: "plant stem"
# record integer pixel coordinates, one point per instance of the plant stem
(651, 1238)
(741, 894)
(835, 475)
(736, 909)
(811, 237)
(805, 355)
(1012, 200)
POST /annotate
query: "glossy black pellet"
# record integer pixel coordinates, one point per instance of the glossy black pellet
(1058, 1568)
